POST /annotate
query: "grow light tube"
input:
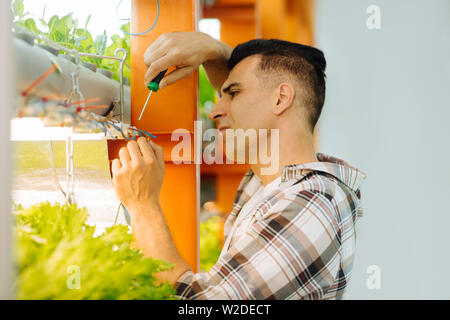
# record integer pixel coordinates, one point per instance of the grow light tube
(32, 129)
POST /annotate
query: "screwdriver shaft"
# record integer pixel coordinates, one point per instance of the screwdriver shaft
(145, 105)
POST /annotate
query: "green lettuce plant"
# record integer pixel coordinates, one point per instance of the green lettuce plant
(58, 257)
(67, 32)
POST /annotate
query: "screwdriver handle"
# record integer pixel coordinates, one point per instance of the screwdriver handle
(154, 84)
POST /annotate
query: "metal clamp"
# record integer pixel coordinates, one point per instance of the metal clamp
(122, 94)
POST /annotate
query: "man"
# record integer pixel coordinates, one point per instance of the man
(291, 233)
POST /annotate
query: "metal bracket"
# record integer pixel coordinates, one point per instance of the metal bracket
(122, 95)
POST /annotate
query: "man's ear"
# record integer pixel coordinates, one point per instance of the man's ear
(285, 98)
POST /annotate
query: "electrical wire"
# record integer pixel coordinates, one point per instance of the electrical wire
(117, 12)
(41, 78)
(90, 120)
(105, 130)
(145, 132)
(121, 131)
(140, 33)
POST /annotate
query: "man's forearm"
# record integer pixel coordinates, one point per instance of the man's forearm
(153, 237)
(216, 68)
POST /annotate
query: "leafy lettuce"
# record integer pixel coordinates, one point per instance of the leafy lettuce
(58, 257)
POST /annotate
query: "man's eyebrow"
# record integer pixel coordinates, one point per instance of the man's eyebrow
(230, 86)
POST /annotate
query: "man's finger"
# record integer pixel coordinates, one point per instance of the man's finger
(156, 67)
(135, 153)
(124, 157)
(156, 45)
(146, 149)
(162, 64)
(176, 75)
(116, 166)
(153, 56)
(158, 150)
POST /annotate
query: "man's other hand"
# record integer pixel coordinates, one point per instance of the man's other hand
(186, 51)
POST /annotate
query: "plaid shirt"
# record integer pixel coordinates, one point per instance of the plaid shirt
(297, 243)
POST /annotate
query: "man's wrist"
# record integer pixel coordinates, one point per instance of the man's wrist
(144, 208)
(218, 51)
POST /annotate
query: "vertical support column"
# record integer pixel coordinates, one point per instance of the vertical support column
(237, 20)
(290, 20)
(6, 104)
(299, 21)
(270, 18)
(171, 108)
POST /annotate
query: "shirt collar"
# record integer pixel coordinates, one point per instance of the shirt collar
(346, 173)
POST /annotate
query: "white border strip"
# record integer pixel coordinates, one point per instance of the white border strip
(6, 106)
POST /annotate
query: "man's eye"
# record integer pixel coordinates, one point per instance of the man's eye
(233, 93)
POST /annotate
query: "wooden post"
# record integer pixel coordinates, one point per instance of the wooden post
(169, 109)
(270, 18)
(243, 20)
(237, 25)
(237, 20)
(290, 20)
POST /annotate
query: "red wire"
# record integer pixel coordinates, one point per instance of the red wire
(39, 80)
(84, 101)
(92, 107)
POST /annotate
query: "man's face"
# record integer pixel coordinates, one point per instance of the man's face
(245, 102)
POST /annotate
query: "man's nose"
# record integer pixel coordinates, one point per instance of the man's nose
(218, 111)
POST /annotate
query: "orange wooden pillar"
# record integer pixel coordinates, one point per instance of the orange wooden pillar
(237, 25)
(237, 20)
(243, 20)
(290, 20)
(171, 108)
(300, 21)
(228, 177)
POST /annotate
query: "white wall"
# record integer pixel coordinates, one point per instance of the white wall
(388, 112)
(5, 151)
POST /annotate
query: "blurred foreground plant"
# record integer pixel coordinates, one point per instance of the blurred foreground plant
(210, 242)
(58, 257)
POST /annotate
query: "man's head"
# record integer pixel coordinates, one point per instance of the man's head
(272, 83)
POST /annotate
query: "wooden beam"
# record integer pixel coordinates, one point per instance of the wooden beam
(169, 109)
(237, 20)
(290, 20)
(270, 18)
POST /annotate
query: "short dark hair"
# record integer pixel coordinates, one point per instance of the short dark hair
(306, 63)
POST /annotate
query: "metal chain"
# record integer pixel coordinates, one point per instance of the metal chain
(76, 81)
(70, 177)
(70, 194)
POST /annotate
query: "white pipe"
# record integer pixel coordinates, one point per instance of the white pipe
(6, 90)
(32, 61)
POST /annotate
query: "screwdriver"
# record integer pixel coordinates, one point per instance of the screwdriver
(153, 86)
